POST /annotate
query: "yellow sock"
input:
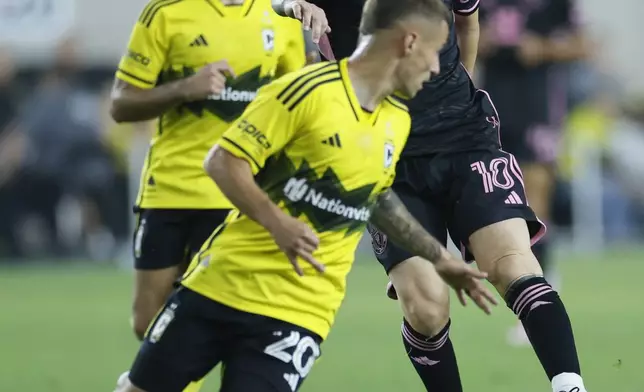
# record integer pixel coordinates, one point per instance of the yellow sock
(195, 386)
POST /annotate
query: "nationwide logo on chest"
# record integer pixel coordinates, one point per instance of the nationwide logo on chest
(324, 200)
(231, 102)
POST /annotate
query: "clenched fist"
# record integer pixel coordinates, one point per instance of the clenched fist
(209, 80)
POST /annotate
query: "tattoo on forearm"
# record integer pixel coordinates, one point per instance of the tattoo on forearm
(392, 218)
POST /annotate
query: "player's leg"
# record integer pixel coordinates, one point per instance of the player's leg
(492, 213)
(201, 225)
(160, 257)
(534, 147)
(536, 152)
(185, 341)
(424, 299)
(271, 356)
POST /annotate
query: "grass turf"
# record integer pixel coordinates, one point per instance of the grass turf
(66, 329)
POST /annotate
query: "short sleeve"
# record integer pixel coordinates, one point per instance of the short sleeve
(265, 127)
(294, 56)
(146, 52)
(465, 7)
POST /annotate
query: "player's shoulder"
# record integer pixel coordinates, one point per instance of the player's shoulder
(307, 85)
(165, 10)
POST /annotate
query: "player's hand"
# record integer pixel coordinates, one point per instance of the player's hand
(297, 241)
(209, 80)
(466, 280)
(531, 50)
(313, 17)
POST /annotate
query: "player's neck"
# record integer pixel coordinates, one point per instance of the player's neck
(371, 73)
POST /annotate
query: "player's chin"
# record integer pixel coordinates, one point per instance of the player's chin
(411, 91)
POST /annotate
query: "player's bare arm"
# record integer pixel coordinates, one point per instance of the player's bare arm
(468, 31)
(132, 104)
(392, 218)
(235, 178)
(313, 17)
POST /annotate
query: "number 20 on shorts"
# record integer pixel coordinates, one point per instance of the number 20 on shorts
(300, 345)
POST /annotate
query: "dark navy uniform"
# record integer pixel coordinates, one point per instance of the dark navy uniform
(453, 174)
(532, 100)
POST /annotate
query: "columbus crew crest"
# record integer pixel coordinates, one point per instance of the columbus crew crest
(378, 240)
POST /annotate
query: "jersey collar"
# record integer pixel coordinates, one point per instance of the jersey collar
(232, 10)
(360, 114)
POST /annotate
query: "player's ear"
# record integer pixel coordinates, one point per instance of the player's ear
(410, 42)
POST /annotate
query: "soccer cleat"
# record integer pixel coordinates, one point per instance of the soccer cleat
(571, 388)
(568, 382)
(391, 291)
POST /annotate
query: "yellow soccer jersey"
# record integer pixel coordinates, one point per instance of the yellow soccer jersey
(322, 159)
(173, 39)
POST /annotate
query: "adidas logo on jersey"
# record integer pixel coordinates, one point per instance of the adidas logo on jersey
(228, 94)
(199, 41)
(333, 141)
(298, 190)
(513, 198)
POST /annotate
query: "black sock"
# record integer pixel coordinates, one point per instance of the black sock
(541, 251)
(546, 323)
(433, 358)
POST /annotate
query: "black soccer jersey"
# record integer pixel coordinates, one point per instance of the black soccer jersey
(543, 86)
(446, 113)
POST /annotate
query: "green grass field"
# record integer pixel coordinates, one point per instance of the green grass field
(66, 329)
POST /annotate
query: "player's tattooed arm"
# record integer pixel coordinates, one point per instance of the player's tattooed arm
(392, 218)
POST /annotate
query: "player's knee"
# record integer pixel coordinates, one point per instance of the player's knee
(426, 317)
(510, 265)
(423, 295)
(140, 322)
(138, 329)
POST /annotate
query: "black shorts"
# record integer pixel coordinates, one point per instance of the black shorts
(165, 238)
(460, 193)
(193, 334)
(532, 143)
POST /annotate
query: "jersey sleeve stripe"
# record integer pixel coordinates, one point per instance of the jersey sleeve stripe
(147, 9)
(132, 76)
(315, 71)
(396, 103)
(307, 92)
(332, 72)
(148, 16)
(242, 150)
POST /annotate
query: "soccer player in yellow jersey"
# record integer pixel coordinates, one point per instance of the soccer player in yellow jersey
(195, 65)
(307, 165)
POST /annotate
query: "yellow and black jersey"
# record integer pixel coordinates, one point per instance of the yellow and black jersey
(173, 39)
(322, 159)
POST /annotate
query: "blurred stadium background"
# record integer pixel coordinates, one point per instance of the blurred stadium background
(68, 174)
